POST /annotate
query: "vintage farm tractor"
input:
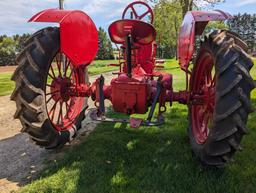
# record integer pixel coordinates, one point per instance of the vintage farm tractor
(52, 79)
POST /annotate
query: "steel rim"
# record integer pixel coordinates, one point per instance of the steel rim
(204, 83)
(62, 107)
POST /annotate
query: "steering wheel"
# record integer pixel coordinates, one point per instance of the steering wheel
(134, 12)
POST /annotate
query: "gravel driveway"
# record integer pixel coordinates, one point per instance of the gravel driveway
(21, 160)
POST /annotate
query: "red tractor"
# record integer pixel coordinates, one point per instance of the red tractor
(52, 80)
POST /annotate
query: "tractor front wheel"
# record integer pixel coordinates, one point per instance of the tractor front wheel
(221, 76)
(47, 110)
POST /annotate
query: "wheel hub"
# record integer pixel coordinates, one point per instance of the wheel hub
(59, 89)
(205, 85)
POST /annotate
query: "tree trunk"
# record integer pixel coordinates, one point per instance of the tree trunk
(187, 5)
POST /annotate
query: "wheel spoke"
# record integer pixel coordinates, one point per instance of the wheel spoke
(63, 59)
(210, 109)
(52, 111)
(69, 105)
(134, 12)
(68, 64)
(49, 85)
(213, 80)
(53, 115)
(51, 93)
(205, 121)
(205, 85)
(53, 74)
(60, 113)
(58, 60)
(67, 108)
(206, 117)
(144, 14)
(208, 79)
(48, 100)
(61, 116)
(72, 71)
(209, 122)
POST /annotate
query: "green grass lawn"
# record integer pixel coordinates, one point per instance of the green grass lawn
(118, 159)
(6, 85)
(97, 67)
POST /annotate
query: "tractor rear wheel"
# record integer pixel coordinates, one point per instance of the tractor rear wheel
(221, 76)
(45, 108)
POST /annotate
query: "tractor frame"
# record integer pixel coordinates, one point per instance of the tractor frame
(217, 92)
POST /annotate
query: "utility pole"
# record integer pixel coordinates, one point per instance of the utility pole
(61, 4)
(62, 58)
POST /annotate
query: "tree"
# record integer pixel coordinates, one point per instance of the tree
(110, 51)
(189, 5)
(167, 23)
(245, 26)
(215, 25)
(168, 18)
(2, 37)
(21, 40)
(105, 46)
(10, 47)
(7, 51)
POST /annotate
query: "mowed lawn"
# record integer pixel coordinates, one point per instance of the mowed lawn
(117, 159)
(97, 67)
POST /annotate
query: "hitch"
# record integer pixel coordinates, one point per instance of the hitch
(134, 122)
(156, 99)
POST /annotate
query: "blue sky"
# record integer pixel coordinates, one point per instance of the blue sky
(14, 14)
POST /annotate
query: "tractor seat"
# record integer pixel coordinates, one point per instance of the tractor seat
(142, 33)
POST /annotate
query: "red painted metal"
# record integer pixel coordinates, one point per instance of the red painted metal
(78, 33)
(143, 35)
(182, 97)
(136, 92)
(63, 108)
(141, 32)
(146, 57)
(135, 123)
(194, 24)
(135, 13)
(203, 82)
(130, 95)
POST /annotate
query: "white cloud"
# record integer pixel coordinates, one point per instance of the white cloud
(105, 6)
(246, 2)
(15, 14)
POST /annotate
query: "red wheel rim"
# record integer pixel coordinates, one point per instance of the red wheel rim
(148, 12)
(204, 83)
(62, 107)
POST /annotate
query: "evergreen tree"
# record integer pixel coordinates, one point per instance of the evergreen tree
(105, 50)
(245, 26)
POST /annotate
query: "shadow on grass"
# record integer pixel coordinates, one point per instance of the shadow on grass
(115, 158)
